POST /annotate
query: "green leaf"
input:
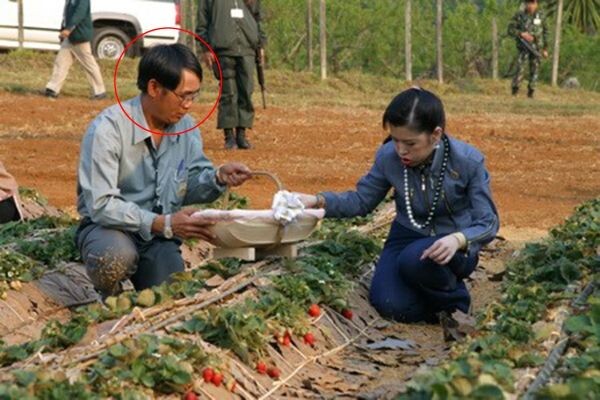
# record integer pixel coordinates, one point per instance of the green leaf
(579, 324)
(148, 380)
(24, 378)
(118, 351)
(487, 392)
(181, 377)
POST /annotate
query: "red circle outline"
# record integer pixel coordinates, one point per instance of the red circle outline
(214, 58)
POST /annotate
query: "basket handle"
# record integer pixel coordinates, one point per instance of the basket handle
(273, 177)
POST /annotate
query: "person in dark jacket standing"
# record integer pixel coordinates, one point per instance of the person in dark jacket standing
(233, 29)
(75, 35)
(529, 25)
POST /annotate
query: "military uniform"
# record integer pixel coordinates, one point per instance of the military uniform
(535, 25)
(233, 30)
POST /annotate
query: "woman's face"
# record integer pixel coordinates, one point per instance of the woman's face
(412, 147)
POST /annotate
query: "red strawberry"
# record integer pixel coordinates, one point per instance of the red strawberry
(309, 339)
(274, 372)
(217, 379)
(287, 340)
(314, 310)
(190, 396)
(208, 374)
(347, 313)
(261, 367)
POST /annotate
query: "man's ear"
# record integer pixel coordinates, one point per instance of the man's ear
(153, 88)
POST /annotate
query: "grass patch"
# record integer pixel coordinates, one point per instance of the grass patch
(27, 71)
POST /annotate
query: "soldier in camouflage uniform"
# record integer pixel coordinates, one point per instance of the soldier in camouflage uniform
(530, 25)
(233, 29)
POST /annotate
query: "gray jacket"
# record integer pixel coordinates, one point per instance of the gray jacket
(466, 204)
(118, 184)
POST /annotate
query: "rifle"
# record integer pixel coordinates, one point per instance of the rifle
(530, 48)
(260, 72)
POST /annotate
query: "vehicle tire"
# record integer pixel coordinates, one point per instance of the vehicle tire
(109, 43)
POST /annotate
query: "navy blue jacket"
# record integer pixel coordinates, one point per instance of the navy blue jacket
(466, 204)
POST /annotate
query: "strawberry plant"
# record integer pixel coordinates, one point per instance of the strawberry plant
(16, 267)
(11, 231)
(238, 328)
(580, 371)
(162, 364)
(535, 281)
(55, 335)
(60, 247)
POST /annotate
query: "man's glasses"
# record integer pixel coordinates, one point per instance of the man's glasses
(188, 98)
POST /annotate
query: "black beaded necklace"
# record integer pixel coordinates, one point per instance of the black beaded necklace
(437, 191)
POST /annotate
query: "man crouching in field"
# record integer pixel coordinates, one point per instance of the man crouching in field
(132, 184)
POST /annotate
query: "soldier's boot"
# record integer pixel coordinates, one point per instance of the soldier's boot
(242, 141)
(229, 139)
(515, 90)
(530, 93)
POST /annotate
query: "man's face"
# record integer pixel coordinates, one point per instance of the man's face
(532, 7)
(172, 105)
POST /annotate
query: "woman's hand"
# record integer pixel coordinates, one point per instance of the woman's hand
(442, 250)
(309, 200)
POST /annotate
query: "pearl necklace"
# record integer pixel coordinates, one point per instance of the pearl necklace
(437, 193)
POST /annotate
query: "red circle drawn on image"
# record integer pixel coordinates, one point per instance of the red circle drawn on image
(214, 107)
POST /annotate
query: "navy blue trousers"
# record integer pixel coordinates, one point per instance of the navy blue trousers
(406, 289)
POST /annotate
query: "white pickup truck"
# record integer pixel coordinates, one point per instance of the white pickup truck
(116, 22)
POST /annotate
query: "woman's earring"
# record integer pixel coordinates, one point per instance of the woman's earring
(437, 145)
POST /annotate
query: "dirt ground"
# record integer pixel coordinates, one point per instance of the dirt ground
(541, 166)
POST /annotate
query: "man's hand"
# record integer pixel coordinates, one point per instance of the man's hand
(208, 59)
(233, 174)
(262, 56)
(64, 34)
(309, 200)
(442, 250)
(186, 227)
(527, 36)
(545, 53)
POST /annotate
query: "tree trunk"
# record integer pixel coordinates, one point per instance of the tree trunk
(494, 48)
(555, 56)
(183, 15)
(21, 34)
(323, 38)
(408, 40)
(438, 40)
(309, 34)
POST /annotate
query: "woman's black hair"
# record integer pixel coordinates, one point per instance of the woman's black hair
(166, 63)
(416, 109)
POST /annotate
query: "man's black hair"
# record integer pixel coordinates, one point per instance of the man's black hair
(165, 63)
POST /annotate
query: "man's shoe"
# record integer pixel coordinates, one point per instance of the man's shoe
(530, 93)
(229, 140)
(50, 94)
(515, 91)
(100, 96)
(242, 142)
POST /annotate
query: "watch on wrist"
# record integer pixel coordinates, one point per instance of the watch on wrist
(168, 230)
